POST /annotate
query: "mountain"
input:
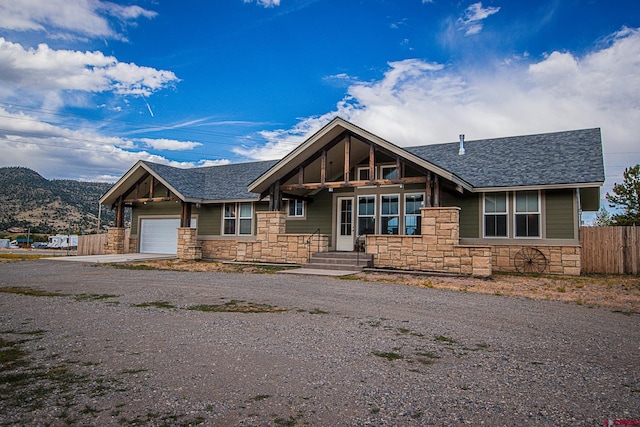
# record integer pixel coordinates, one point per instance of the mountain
(49, 206)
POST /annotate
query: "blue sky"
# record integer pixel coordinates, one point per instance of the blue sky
(88, 87)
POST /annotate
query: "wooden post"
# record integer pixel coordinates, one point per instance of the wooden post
(276, 197)
(372, 162)
(347, 157)
(398, 168)
(119, 217)
(151, 187)
(185, 215)
(300, 175)
(428, 204)
(323, 167)
(436, 192)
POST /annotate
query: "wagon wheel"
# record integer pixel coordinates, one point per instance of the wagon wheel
(530, 260)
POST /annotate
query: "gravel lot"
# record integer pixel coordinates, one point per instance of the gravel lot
(142, 347)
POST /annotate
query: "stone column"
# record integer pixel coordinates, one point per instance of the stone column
(115, 241)
(270, 225)
(188, 247)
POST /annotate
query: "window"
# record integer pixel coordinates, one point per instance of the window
(412, 216)
(388, 172)
(238, 219)
(495, 215)
(527, 214)
(366, 215)
(390, 215)
(363, 174)
(296, 208)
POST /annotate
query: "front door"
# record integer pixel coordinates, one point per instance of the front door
(344, 235)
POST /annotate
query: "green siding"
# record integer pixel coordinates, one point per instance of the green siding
(469, 205)
(150, 209)
(559, 214)
(319, 215)
(209, 219)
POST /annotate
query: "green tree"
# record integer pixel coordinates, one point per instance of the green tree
(626, 198)
(603, 218)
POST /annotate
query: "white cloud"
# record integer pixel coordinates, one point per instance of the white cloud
(265, 3)
(471, 21)
(169, 144)
(65, 19)
(417, 102)
(58, 152)
(46, 69)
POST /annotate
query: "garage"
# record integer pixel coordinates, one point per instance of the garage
(160, 235)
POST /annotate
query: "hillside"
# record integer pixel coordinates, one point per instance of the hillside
(49, 206)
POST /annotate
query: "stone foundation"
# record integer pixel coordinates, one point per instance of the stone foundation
(270, 244)
(561, 259)
(437, 249)
(115, 241)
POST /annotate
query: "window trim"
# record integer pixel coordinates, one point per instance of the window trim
(516, 213)
(418, 215)
(363, 168)
(397, 215)
(237, 218)
(485, 213)
(295, 215)
(390, 166)
(374, 215)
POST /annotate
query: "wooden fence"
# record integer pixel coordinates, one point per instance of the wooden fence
(610, 250)
(93, 244)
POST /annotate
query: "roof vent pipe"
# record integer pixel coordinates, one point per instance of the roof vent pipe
(461, 151)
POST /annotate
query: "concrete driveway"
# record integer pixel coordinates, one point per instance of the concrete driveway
(108, 259)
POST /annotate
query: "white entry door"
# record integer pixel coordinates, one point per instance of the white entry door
(345, 225)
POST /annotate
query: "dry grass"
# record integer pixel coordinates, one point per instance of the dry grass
(616, 292)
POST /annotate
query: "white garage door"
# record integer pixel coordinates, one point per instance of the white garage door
(160, 235)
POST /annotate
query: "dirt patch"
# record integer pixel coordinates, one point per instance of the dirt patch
(616, 292)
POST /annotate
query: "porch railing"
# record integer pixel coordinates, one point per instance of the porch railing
(309, 244)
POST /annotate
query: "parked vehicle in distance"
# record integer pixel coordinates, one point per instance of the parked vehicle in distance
(40, 245)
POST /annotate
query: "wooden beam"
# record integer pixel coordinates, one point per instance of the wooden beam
(119, 216)
(347, 157)
(372, 161)
(348, 184)
(436, 192)
(398, 168)
(300, 175)
(296, 197)
(185, 215)
(152, 199)
(151, 186)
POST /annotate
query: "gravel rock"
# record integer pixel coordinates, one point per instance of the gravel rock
(124, 347)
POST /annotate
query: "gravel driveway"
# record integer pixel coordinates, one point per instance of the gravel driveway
(108, 346)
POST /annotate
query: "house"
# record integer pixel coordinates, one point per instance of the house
(468, 207)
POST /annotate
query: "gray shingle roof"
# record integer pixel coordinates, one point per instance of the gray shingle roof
(225, 182)
(569, 157)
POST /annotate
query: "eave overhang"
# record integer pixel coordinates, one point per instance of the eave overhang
(328, 133)
(129, 179)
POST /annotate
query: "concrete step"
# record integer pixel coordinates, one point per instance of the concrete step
(350, 261)
(334, 267)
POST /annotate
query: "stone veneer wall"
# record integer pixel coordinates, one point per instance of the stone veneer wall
(115, 241)
(561, 259)
(270, 244)
(188, 246)
(436, 249)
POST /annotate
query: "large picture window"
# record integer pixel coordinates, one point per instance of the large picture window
(412, 216)
(238, 219)
(366, 215)
(495, 215)
(390, 214)
(527, 214)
